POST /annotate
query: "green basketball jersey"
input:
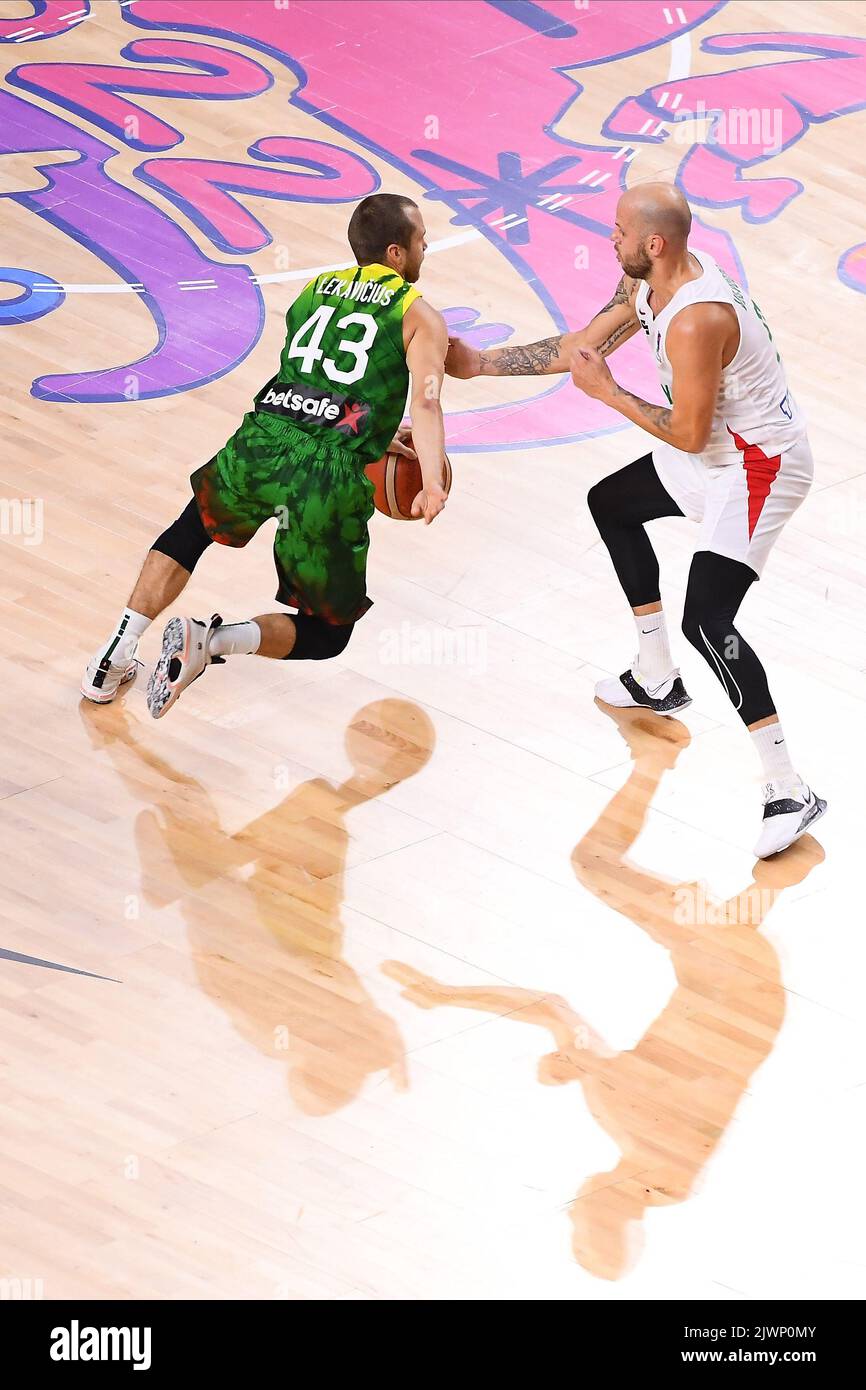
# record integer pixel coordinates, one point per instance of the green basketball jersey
(343, 376)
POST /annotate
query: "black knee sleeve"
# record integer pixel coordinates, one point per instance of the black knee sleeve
(717, 586)
(316, 640)
(620, 505)
(598, 501)
(186, 539)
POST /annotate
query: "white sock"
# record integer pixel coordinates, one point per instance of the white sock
(236, 639)
(772, 749)
(123, 643)
(654, 658)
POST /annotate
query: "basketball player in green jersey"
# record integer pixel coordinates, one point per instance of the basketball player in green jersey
(353, 338)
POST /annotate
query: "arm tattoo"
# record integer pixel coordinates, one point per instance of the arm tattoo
(531, 360)
(610, 342)
(658, 415)
(620, 296)
(535, 358)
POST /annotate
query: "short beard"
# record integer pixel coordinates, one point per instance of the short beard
(639, 268)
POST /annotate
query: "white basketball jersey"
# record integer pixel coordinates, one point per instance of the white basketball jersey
(754, 410)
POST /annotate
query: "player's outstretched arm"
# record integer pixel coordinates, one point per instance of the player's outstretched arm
(611, 326)
(425, 355)
(696, 343)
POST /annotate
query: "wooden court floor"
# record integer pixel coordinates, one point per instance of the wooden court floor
(416, 973)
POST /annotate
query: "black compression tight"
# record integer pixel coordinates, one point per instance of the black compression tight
(620, 505)
(717, 587)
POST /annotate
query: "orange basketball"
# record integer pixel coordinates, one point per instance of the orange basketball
(397, 481)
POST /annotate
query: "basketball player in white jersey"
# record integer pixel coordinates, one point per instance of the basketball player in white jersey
(730, 452)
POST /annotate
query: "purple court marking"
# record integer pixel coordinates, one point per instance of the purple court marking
(199, 337)
(852, 267)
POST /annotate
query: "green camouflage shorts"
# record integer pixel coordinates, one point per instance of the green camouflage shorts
(322, 500)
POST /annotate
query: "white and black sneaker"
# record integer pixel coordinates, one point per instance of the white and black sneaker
(790, 809)
(184, 656)
(631, 690)
(103, 676)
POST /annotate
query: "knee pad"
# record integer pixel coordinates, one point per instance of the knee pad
(316, 640)
(185, 540)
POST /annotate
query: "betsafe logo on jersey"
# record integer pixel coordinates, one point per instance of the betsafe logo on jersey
(305, 402)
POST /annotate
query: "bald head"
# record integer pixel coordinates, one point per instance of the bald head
(653, 221)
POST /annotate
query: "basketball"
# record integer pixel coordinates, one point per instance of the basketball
(397, 480)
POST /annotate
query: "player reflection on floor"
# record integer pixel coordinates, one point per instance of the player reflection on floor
(667, 1101)
(262, 906)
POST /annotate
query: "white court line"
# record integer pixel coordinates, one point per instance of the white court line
(678, 68)
(19, 33)
(277, 278)
(681, 59)
(91, 289)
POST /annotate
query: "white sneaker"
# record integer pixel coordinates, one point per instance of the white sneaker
(790, 809)
(103, 678)
(184, 656)
(631, 689)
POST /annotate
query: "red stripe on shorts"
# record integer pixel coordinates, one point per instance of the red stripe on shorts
(760, 475)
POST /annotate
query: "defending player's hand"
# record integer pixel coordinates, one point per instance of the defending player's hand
(462, 361)
(398, 444)
(591, 374)
(429, 502)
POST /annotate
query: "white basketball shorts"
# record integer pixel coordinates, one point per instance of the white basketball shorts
(741, 506)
